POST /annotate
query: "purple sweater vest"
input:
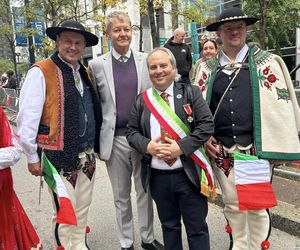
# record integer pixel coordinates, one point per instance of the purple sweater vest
(126, 82)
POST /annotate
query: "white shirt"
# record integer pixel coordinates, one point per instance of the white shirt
(224, 59)
(155, 132)
(10, 155)
(32, 98)
(118, 56)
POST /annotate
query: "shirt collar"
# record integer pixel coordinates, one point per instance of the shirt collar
(117, 55)
(70, 65)
(169, 90)
(224, 59)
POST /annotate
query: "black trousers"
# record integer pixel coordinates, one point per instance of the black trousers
(175, 197)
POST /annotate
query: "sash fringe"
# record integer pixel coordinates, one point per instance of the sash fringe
(207, 191)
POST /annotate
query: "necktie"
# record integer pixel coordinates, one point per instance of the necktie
(163, 132)
(122, 59)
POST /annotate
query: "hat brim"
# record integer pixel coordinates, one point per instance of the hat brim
(90, 38)
(215, 26)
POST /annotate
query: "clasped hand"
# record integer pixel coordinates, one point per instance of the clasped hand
(164, 151)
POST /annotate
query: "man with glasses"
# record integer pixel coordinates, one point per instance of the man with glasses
(60, 115)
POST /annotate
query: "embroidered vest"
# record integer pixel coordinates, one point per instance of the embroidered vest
(59, 128)
(51, 126)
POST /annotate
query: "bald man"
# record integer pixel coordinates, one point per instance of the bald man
(182, 54)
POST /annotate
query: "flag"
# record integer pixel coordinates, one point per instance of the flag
(252, 180)
(65, 213)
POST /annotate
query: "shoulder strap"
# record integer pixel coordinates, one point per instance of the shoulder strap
(189, 93)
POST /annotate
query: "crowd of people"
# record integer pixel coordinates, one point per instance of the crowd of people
(176, 136)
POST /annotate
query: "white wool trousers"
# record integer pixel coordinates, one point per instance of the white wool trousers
(69, 236)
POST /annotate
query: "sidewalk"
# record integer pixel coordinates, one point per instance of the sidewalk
(286, 180)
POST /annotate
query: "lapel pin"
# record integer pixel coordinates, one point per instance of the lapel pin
(179, 96)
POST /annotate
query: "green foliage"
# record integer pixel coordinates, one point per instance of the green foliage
(196, 11)
(281, 19)
(6, 65)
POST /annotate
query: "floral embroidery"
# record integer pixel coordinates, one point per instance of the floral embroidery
(283, 94)
(267, 78)
(271, 78)
(201, 82)
(267, 84)
(266, 70)
(89, 166)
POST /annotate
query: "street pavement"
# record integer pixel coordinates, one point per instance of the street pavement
(103, 234)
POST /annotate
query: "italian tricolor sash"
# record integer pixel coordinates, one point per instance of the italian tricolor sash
(177, 129)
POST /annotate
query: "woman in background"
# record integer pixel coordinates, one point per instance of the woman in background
(210, 49)
(16, 231)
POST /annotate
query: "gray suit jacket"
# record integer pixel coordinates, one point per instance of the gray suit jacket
(102, 73)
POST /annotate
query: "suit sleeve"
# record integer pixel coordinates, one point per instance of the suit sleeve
(203, 125)
(134, 133)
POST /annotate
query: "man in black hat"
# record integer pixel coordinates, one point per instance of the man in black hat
(59, 117)
(251, 95)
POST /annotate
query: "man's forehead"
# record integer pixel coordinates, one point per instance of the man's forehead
(233, 24)
(158, 58)
(71, 34)
(180, 33)
(120, 22)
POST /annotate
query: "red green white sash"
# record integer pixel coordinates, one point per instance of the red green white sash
(178, 130)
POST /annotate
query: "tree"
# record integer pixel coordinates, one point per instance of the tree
(197, 10)
(6, 29)
(278, 22)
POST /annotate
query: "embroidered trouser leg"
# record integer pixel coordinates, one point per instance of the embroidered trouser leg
(249, 228)
(236, 219)
(259, 225)
(80, 193)
(122, 165)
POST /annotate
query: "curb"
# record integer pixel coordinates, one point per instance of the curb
(287, 174)
(283, 216)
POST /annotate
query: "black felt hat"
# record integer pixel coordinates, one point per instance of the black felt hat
(73, 26)
(231, 14)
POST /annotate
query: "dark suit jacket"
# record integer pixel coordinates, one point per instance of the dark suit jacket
(139, 135)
